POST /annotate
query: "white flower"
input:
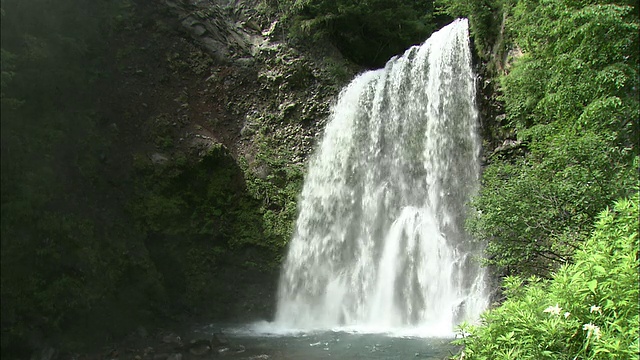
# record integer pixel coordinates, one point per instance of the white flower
(595, 308)
(592, 330)
(596, 332)
(555, 310)
(566, 315)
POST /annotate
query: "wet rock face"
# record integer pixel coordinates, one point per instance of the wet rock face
(257, 89)
(227, 30)
(206, 23)
(196, 77)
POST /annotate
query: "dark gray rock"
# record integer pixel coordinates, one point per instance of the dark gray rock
(199, 347)
(239, 349)
(48, 353)
(218, 32)
(172, 338)
(219, 339)
(142, 332)
(222, 350)
(259, 357)
(159, 159)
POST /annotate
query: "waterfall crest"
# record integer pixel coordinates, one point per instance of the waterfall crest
(379, 240)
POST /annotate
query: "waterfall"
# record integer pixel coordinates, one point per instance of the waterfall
(379, 241)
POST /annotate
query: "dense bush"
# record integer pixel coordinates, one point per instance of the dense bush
(572, 99)
(485, 18)
(196, 216)
(277, 192)
(535, 212)
(587, 310)
(366, 32)
(570, 94)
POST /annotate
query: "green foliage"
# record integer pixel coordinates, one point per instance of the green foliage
(339, 71)
(198, 198)
(587, 310)
(572, 98)
(278, 190)
(534, 212)
(580, 67)
(366, 32)
(485, 17)
(199, 219)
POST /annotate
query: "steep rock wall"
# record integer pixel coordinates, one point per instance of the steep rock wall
(213, 116)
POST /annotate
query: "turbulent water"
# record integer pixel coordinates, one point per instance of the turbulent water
(251, 343)
(379, 242)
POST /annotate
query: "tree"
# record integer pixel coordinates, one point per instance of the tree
(573, 100)
(366, 32)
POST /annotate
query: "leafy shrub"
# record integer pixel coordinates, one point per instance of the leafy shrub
(536, 211)
(277, 191)
(366, 32)
(587, 310)
(484, 19)
(572, 98)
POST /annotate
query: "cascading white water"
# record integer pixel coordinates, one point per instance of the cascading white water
(379, 242)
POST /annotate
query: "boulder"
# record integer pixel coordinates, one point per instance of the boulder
(159, 159)
(172, 338)
(219, 339)
(48, 353)
(199, 347)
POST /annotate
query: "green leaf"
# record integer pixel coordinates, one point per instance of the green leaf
(599, 270)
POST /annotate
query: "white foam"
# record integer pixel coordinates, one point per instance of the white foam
(273, 329)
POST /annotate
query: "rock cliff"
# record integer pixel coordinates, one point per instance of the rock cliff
(213, 115)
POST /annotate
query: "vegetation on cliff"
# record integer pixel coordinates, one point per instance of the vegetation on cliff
(568, 80)
(570, 93)
(102, 232)
(144, 179)
(587, 310)
(368, 33)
